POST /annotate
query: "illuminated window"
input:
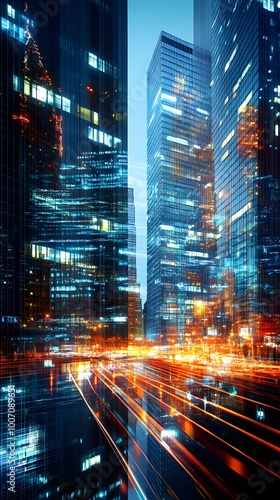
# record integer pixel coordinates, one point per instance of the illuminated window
(175, 111)
(95, 118)
(34, 90)
(245, 102)
(108, 140)
(41, 93)
(227, 139)
(66, 104)
(269, 5)
(178, 140)
(16, 82)
(89, 462)
(57, 101)
(92, 60)
(101, 65)
(5, 24)
(167, 97)
(225, 155)
(11, 12)
(50, 96)
(231, 58)
(26, 87)
(156, 98)
(84, 113)
(202, 111)
(241, 212)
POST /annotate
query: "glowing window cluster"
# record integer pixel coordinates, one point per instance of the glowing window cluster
(89, 462)
(42, 252)
(42, 94)
(192, 253)
(104, 66)
(13, 30)
(11, 12)
(87, 114)
(98, 136)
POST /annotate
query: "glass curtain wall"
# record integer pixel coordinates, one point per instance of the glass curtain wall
(245, 98)
(181, 237)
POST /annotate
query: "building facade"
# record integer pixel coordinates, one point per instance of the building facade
(181, 237)
(246, 111)
(64, 195)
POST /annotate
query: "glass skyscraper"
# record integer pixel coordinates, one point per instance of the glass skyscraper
(246, 114)
(181, 235)
(64, 196)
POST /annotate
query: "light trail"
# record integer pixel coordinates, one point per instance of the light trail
(244, 417)
(113, 445)
(132, 437)
(241, 399)
(234, 427)
(180, 454)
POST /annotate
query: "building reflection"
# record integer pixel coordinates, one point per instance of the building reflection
(59, 451)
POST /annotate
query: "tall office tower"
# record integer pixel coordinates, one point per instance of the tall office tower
(246, 118)
(64, 196)
(181, 239)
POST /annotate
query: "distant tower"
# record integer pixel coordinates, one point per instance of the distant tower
(202, 24)
(181, 239)
(246, 136)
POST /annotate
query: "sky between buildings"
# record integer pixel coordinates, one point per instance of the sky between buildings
(146, 19)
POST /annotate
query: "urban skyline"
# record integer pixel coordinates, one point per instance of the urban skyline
(100, 398)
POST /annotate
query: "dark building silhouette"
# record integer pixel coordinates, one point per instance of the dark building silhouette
(64, 196)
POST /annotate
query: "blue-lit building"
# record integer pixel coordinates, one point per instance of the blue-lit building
(64, 195)
(181, 236)
(246, 137)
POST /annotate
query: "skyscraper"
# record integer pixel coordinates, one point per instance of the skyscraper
(246, 111)
(64, 198)
(181, 237)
